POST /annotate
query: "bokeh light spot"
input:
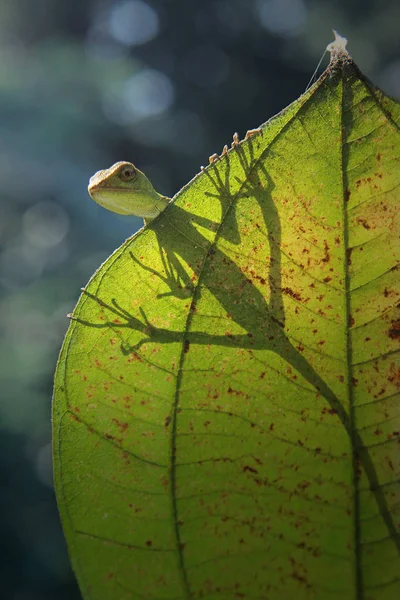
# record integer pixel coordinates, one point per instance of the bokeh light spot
(45, 224)
(134, 23)
(147, 93)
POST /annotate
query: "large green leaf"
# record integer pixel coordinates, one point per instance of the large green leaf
(226, 422)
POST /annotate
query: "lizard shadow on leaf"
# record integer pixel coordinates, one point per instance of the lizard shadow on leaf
(176, 278)
(262, 321)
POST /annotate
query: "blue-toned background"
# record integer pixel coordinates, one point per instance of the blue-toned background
(84, 83)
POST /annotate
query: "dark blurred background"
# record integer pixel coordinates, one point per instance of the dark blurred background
(84, 83)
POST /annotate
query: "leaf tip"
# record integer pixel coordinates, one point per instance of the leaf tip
(337, 48)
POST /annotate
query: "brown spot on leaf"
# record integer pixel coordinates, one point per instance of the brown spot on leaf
(349, 252)
(394, 375)
(133, 356)
(250, 469)
(122, 426)
(292, 293)
(394, 331)
(327, 255)
(363, 222)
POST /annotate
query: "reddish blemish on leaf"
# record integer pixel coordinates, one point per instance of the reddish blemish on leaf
(122, 426)
(394, 375)
(329, 411)
(394, 331)
(250, 469)
(363, 222)
(327, 256)
(292, 293)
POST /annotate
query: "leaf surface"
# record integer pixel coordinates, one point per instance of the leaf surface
(226, 412)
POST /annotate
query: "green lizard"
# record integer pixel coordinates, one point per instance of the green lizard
(125, 190)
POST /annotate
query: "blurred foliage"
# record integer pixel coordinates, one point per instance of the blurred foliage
(82, 85)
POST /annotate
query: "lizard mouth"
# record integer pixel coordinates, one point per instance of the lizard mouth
(114, 199)
(111, 201)
(94, 189)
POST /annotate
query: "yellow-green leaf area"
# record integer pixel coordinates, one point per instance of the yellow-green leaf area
(226, 412)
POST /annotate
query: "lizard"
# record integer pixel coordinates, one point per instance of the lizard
(124, 189)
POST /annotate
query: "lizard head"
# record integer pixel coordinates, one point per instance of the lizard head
(125, 190)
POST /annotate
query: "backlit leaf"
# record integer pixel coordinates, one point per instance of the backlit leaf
(226, 413)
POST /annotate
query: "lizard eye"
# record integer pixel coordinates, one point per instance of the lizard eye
(127, 173)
